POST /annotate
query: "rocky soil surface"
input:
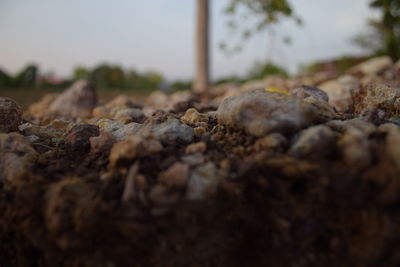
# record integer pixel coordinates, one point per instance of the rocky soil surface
(296, 172)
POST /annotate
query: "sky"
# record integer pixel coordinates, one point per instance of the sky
(59, 35)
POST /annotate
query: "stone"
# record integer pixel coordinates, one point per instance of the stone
(175, 176)
(199, 147)
(315, 141)
(355, 149)
(172, 131)
(384, 97)
(77, 139)
(305, 91)
(325, 111)
(373, 66)
(271, 142)
(102, 143)
(194, 159)
(340, 91)
(77, 101)
(392, 145)
(117, 128)
(194, 118)
(17, 156)
(128, 115)
(52, 132)
(359, 124)
(134, 146)
(41, 108)
(260, 113)
(157, 99)
(10, 115)
(203, 182)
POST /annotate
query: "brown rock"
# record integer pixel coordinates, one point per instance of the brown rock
(102, 143)
(175, 176)
(16, 156)
(77, 101)
(199, 147)
(10, 115)
(78, 137)
(134, 146)
(195, 118)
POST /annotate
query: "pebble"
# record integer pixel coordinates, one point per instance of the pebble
(172, 131)
(194, 118)
(175, 176)
(260, 113)
(203, 182)
(128, 115)
(314, 142)
(355, 149)
(384, 97)
(102, 143)
(77, 101)
(340, 91)
(10, 115)
(16, 157)
(199, 147)
(305, 91)
(134, 146)
(77, 139)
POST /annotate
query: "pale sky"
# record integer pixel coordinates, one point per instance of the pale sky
(159, 35)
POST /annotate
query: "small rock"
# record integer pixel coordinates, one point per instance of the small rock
(373, 115)
(273, 142)
(128, 115)
(41, 107)
(203, 182)
(16, 157)
(194, 118)
(194, 159)
(340, 91)
(118, 129)
(157, 99)
(383, 97)
(355, 149)
(392, 147)
(305, 91)
(102, 143)
(172, 131)
(373, 66)
(134, 146)
(77, 138)
(199, 147)
(359, 124)
(260, 113)
(10, 115)
(77, 101)
(315, 141)
(175, 176)
(53, 132)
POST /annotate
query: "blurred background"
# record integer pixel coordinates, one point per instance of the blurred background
(138, 46)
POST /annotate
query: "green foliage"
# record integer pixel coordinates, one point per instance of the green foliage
(111, 76)
(262, 70)
(266, 13)
(383, 36)
(27, 77)
(181, 85)
(340, 64)
(5, 80)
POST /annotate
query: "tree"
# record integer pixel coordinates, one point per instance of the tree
(202, 47)
(383, 36)
(27, 77)
(264, 13)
